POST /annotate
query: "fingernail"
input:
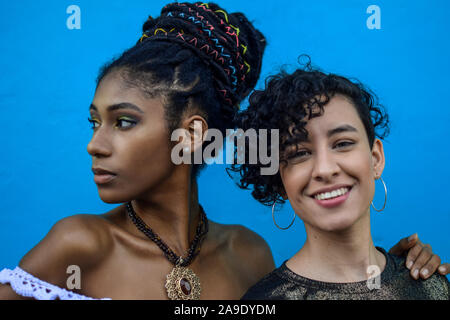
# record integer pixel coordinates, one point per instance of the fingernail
(441, 269)
(424, 272)
(412, 237)
(415, 273)
(409, 265)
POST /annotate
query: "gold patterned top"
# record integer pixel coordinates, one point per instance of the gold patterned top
(394, 283)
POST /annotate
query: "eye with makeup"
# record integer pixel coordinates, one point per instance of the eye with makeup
(122, 123)
(125, 123)
(297, 155)
(94, 123)
(343, 144)
(300, 154)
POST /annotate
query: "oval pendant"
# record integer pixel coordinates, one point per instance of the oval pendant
(183, 284)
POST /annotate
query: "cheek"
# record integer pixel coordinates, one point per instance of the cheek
(295, 179)
(360, 166)
(145, 156)
(294, 182)
(361, 169)
(150, 151)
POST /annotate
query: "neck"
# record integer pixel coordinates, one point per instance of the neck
(338, 256)
(172, 210)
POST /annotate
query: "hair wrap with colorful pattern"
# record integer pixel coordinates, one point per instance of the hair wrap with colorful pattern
(226, 42)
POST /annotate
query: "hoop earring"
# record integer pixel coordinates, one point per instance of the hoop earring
(273, 218)
(385, 197)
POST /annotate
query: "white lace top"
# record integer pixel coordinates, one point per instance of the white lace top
(26, 285)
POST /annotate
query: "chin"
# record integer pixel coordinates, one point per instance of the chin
(337, 223)
(112, 197)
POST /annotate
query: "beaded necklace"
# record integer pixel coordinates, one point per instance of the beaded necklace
(181, 283)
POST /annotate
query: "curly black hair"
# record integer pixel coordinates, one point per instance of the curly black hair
(287, 103)
(195, 56)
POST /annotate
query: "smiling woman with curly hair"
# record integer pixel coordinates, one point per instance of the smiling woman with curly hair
(331, 153)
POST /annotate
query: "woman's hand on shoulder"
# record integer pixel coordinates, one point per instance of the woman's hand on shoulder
(420, 260)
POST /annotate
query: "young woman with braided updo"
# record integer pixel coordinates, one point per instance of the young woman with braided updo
(194, 63)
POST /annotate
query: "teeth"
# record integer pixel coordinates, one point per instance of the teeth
(332, 194)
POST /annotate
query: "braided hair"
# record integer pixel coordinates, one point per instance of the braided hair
(194, 55)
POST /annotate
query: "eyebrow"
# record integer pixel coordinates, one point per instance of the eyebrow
(118, 106)
(340, 129)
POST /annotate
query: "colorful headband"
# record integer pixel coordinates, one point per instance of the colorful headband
(214, 50)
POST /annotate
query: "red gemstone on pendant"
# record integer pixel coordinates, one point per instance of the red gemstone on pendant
(185, 286)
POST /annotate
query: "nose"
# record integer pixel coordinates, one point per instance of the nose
(325, 166)
(99, 146)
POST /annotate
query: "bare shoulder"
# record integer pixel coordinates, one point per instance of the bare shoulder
(248, 247)
(81, 240)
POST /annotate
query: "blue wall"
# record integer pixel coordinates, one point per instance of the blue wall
(47, 83)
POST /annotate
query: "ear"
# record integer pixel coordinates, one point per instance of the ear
(378, 160)
(196, 126)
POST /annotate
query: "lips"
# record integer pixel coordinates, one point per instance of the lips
(332, 196)
(330, 189)
(102, 176)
